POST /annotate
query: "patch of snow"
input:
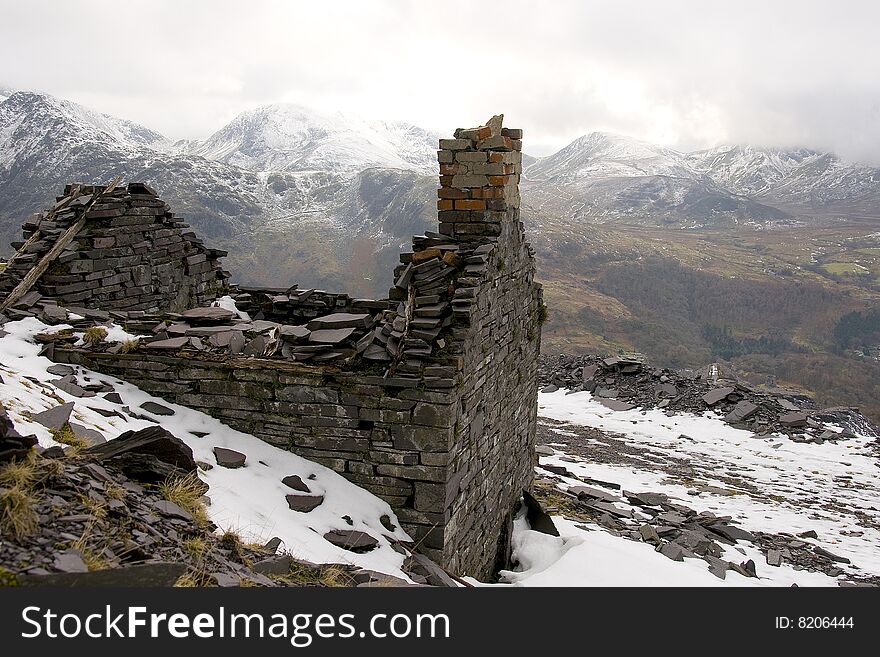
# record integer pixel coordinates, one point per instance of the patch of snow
(248, 500)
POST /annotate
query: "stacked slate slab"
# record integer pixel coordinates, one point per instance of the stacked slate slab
(131, 254)
(428, 398)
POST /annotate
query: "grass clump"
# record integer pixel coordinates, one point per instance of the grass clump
(232, 542)
(94, 335)
(18, 497)
(194, 579)
(17, 515)
(128, 346)
(196, 547)
(66, 436)
(302, 574)
(186, 492)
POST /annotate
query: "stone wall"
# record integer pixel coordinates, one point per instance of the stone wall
(428, 398)
(132, 253)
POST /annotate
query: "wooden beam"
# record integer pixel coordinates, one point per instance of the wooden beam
(64, 239)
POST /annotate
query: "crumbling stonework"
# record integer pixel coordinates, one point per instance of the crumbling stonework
(132, 253)
(428, 399)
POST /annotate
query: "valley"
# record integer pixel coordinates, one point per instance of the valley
(764, 259)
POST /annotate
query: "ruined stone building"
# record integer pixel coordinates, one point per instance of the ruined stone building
(426, 398)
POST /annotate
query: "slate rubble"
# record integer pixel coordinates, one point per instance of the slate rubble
(626, 383)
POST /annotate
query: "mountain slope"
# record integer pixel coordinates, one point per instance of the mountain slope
(295, 138)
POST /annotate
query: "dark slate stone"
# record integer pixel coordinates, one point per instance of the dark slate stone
(617, 405)
(255, 347)
(351, 540)
(171, 509)
(113, 398)
(419, 564)
(742, 411)
(90, 436)
(718, 395)
(647, 499)
(277, 565)
(732, 532)
(272, 545)
(70, 561)
(170, 343)
(673, 551)
(153, 441)
(589, 493)
(55, 418)
(340, 321)
(386, 523)
(774, 558)
(607, 392)
(830, 555)
(72, 389)
(330, 336)
(666, 390)
(156, 409)
(208, 315)
(717, 567)
(794, 419)
(146, 575)
(60, 370)
(538, 519)
(229, 458)
(296, 483)
(304, 503)
(236, 343)
(294, 332)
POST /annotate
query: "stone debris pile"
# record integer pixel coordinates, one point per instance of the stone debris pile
(622, 383)
(126, 250)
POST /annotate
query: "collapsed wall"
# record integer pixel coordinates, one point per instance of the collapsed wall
(427, 399)
(126, 250)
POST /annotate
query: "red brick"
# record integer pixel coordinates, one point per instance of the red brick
(444, 204)
(452, 192)
(498, 181)
(470, 204)
(495, 157)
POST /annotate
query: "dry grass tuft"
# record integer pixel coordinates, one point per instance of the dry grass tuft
(186, 492)
(94, 335)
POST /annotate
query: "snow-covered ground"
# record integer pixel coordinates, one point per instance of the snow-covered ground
(249, 500)
(771, 485)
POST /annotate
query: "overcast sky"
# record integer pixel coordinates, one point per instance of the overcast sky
(685, 74)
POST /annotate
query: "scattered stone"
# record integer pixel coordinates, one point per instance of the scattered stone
(55, 418)
(70, 561)
(296, 483)
(714, 397)
(353, 541)
(156, 409)
(537, 518)
(822, 552)
(229, 458)
(208, 315)
(304, 503)
(649, 534)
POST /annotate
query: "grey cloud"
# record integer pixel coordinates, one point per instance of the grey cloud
(685, 73)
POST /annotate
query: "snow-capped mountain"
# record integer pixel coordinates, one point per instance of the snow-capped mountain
(747, 169)
(295, 138)
(603, 177)
(606, 155)
(293, 192)
(263, 218)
